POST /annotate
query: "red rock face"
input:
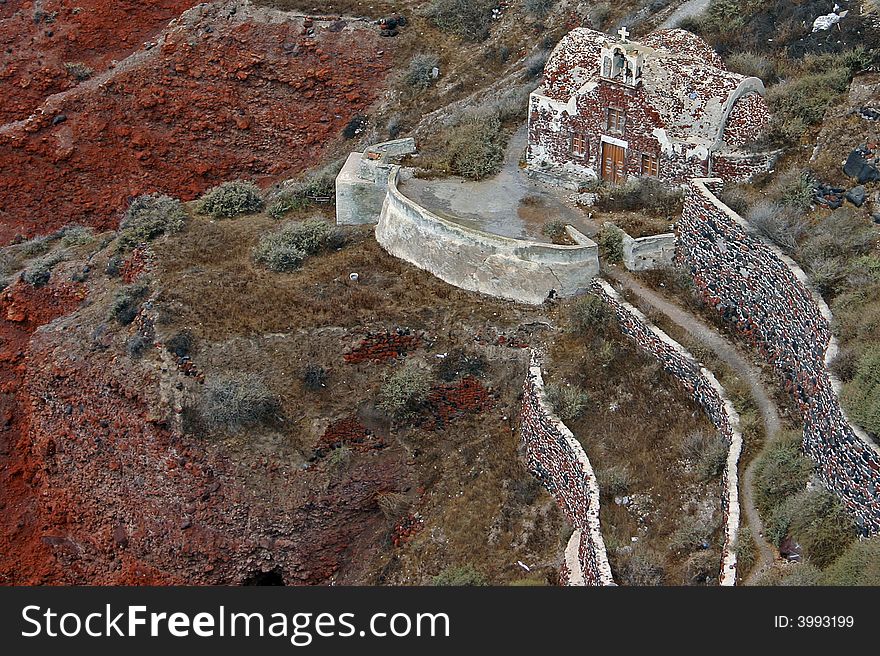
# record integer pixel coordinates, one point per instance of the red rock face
(221, 99)
(37, 39)
(24, 555)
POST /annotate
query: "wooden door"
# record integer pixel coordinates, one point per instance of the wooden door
(613, 163)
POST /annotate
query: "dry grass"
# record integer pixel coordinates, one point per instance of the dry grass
(638, 421)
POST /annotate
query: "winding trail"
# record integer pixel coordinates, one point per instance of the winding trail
(749, 373)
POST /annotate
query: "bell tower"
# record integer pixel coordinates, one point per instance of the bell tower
(621, 60)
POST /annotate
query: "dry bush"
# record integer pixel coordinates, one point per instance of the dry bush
(610, 242)
(475, 146)
(419, 74)
(235, 400)
(393, 504)
(463, 575)
(467, 19)
(817, 521)
(568, 402)
(404, 392)
(640, 566)
(150, 216)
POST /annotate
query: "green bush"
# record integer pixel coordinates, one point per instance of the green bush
(781, 472)
(236, 400)
(647, 194)
(640, 566)
(746, 552)
(610, 242)
(554, 229)
(231, 199)
(614, 481)
(475, 146)
(126, 302)
(419, 74)
(862, 394)
(404, 392)
(76, 235)
(150, 216)
(803, 574)
(287, 248)
(587, 314)
(39, 272)
(702, 567)
(692, 533)
(568, 402)
(462, 575)
(467, 19)
(816, 520)
(708, 452)
(803, 100)
(858, 565)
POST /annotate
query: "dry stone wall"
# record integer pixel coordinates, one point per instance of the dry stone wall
(766, 296)
(702, 385)
(559, 461)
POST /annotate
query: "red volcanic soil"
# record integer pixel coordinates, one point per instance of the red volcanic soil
(225, 96)
(38, 38)
(24, 556)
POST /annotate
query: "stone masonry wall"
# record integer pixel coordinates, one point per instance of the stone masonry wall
(558, 460)
(766, 296)
(702, 385)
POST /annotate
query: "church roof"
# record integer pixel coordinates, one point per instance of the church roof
(684, 80)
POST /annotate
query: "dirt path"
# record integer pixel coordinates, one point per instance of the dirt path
(688, 9)
(748, 373)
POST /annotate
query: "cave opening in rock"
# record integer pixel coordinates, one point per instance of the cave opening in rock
(272, 577)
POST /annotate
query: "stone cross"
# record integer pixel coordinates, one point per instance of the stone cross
(623, 32)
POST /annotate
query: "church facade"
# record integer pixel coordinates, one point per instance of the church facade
(611, 108)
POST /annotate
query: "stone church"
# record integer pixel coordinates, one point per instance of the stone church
(611, 108)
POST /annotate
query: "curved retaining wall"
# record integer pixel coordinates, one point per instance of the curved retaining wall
(768, 298)
(706, 390)
(519, 270)
(559, 461)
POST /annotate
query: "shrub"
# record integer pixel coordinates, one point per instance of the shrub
(393, 504)
(180, 344)
(817, 521)
(475, 146)
(781, 225)
(702, 567)
(588, 313)
(858, 565)
(752, 64)
(419, 74)
(862, 396)
(599, 15)
(36, 246)
(39, 272)
(355, 126)
(648, 194)
(795, 189)
(137, 345)
(339, 457)
(287, 248)
(780, 472)
(610, 242)
(615, 480)
(746, 552)
(231, 199)
(554, 229)
(235, 400)
(467, 19)
(463, 575)
(404, 392)
(708, 452)
(534, 64)
(78, 70)
(76, 235)
(314, 377)
(641, 566)
(806, 98)
(692, 533)
(460, 363)
(538, 8)
(150, 216)
(126, 303)
(567, 402)
(803, 574)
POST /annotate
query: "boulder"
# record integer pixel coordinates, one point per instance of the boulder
(858, 167)
(856, 195)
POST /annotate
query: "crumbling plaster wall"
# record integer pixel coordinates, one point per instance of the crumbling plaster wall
(519, 270)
